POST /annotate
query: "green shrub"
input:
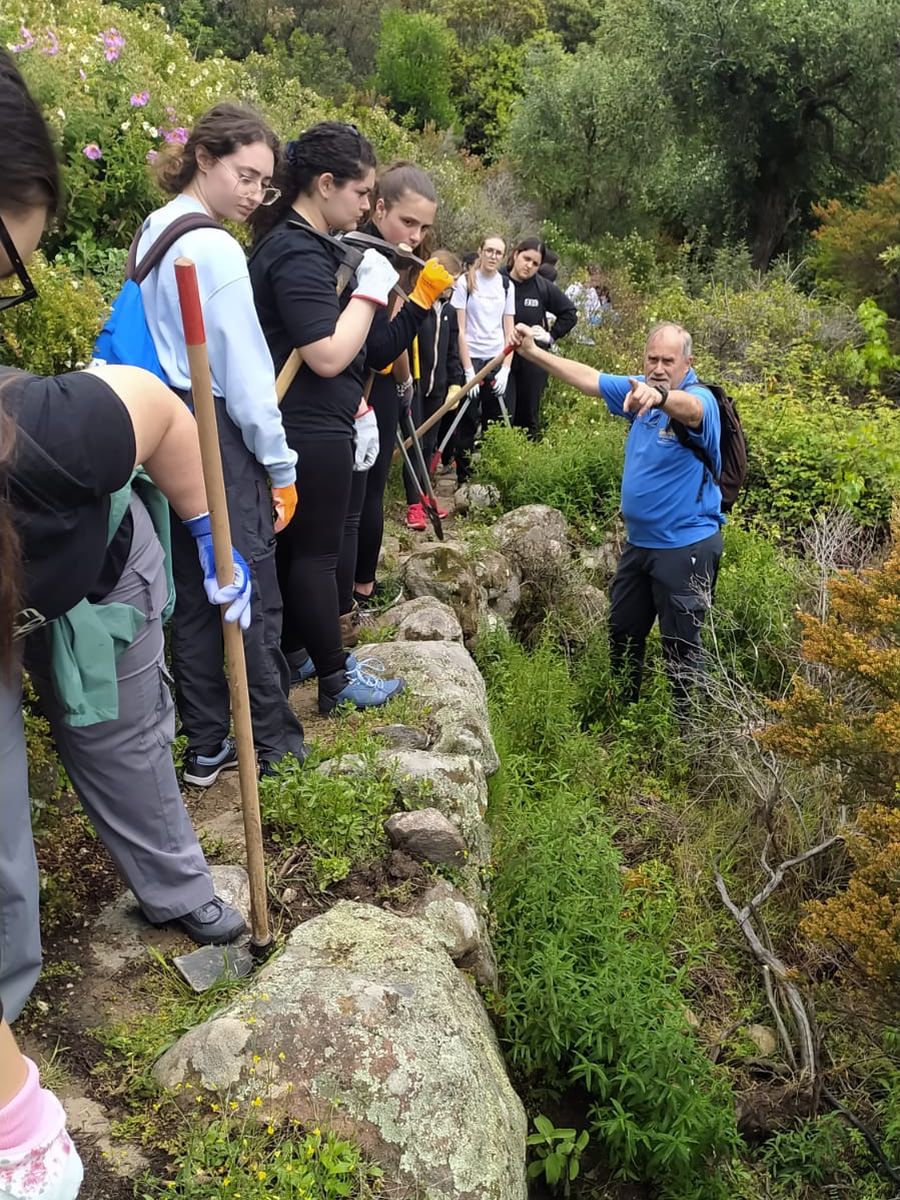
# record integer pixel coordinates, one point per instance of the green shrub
(577, 467)
(339, 817)
(589, 995)
(55, 332)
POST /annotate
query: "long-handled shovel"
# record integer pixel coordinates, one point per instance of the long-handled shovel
(203, 967)
(464, 394)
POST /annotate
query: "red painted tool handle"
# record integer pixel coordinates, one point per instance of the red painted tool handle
(189, 300)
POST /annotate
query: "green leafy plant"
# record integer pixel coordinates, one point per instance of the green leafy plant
(339, 816)
(558, 1153)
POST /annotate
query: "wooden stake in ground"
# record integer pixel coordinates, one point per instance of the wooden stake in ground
(205, 412)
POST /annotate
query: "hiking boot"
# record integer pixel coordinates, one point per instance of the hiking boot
(213, 923)
(350, 623)
(201, 770)
(354, 685)
(415, 517)
(305, 670)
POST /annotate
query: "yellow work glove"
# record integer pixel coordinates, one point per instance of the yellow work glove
(452, 391)
(433, 279)
(284, 502)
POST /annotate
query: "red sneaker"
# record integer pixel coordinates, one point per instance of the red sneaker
(415, 517)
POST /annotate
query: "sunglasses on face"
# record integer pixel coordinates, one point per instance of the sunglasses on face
(29, 291)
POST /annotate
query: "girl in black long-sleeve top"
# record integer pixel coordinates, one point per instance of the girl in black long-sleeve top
(535, 298)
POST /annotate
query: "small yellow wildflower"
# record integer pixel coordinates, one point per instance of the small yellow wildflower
(256, 1102)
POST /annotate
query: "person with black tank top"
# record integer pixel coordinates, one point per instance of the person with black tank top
(325, 178)
(537, 299)
(81, 562)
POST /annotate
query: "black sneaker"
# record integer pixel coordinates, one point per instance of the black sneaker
(200, 770)
(380, 598)
(213, 923)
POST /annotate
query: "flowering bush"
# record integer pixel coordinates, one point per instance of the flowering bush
(116, 86)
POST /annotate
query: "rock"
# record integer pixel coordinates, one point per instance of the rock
(500, 585)
(233, 885)
(583, 609)
(535, 539)
(442, 570)
(426, 834)
(452, 919)
(402, 737)
(444, 678)
(454, 784)
(365, 1010)
(764, 1039)
(389, 554)
(424, 619)
(475, 497)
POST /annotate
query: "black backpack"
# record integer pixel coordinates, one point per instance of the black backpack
(732, 447)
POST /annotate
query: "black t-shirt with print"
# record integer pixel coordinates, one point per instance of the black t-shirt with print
(293, 273)
(78, 423)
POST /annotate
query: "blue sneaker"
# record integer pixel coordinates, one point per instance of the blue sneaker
(357, 686)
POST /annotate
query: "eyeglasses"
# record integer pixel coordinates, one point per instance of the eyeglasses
(489, 253)
(29, 291)
(247, 185)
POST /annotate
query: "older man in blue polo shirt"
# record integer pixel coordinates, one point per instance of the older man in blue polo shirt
(670, 501)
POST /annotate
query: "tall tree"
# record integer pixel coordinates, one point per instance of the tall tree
(736, 117)
(414, 66)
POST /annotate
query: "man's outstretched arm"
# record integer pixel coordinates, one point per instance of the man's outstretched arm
(579, 375)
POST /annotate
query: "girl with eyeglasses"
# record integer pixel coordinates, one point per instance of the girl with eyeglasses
(225, 171)
(485, 303)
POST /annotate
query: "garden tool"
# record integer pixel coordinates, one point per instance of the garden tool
(201, 968)
(453, 401)
(428, 498)
(430, 504)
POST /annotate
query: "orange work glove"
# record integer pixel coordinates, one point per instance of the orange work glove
(433, 279)
(284, 501)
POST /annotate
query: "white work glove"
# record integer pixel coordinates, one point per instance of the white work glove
(365, 439)
(374, 278)
(469, 373)
(541, 337)
(501, 379)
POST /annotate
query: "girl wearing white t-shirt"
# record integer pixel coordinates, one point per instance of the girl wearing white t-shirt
(485, 302)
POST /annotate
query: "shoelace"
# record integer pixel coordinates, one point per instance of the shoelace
(359, 675)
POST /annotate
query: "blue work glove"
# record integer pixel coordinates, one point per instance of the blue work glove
(237, 594)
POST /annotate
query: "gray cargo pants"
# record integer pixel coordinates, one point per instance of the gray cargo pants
(122, 771)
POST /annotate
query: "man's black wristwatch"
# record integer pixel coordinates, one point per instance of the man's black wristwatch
(664, 392)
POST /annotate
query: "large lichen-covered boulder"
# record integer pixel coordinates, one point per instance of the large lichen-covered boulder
(442, 676)
(442, 570)
(535, 538)
(365, 1011)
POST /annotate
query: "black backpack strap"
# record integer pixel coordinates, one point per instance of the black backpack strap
(138, 271)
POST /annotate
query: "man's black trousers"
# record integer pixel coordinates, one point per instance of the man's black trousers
(675, 586)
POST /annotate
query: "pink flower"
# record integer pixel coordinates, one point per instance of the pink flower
(139, 99)
(170, 112)
(179, 135)
(113, 44)
(92, 151)
(27, 40)
(51, 45)
(82, 74)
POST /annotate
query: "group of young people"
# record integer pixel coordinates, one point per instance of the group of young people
(103, 526)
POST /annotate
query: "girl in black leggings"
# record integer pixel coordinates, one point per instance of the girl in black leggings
(404, 212)
(326, 179)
